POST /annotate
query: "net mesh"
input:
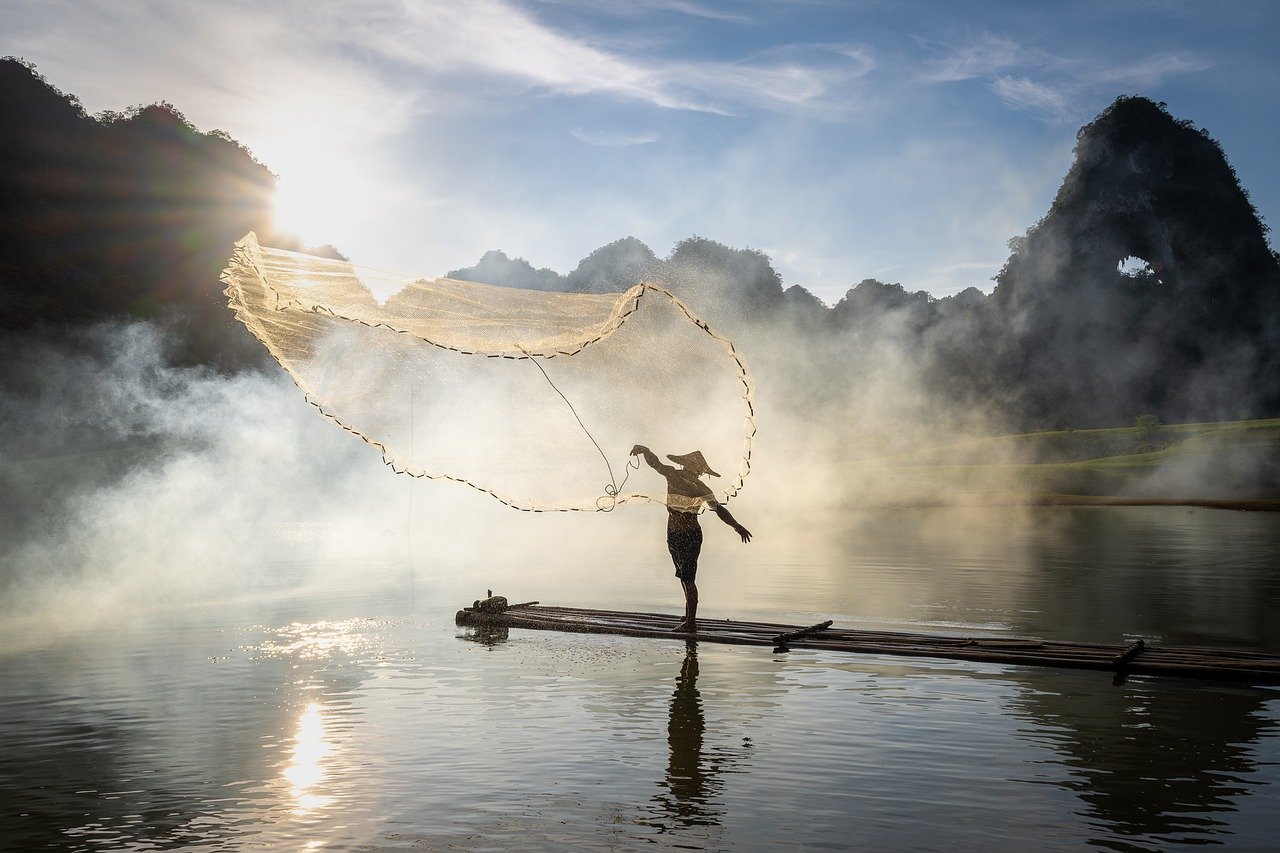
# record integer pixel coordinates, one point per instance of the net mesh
(535, 398)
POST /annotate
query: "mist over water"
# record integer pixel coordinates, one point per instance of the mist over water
(133, 486)
(220, 591)
(135, 483)
(132, 479)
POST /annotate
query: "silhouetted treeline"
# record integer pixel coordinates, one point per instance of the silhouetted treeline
(134, 214)
(127, 214)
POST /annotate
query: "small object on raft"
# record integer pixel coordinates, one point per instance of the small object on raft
(1134, 649)
(1135, 658)
(496, 604)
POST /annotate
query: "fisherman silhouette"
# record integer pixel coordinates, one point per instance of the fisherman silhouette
(686, 495)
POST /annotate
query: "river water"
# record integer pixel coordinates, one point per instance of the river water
(352, 713)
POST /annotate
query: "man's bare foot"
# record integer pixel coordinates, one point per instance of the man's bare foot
(685, 627)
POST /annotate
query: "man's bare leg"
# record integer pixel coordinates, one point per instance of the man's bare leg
(689, 623)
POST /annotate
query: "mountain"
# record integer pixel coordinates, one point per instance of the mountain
(494, 267)
(1148, 287)
(610, 269)
(616, 267)
(1187, 327)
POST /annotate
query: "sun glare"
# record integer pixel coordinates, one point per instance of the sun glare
(305, 770)
(317, 207)
(324, 188)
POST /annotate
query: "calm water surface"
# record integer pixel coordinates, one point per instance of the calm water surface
(355, 715)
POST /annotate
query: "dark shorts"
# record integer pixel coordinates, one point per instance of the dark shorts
(685, 544)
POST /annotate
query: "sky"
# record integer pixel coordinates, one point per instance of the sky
(905, 141)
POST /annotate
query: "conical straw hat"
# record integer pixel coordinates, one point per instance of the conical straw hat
(694, 462)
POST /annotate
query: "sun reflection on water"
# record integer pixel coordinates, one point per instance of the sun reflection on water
(305, 769)
(322, 640)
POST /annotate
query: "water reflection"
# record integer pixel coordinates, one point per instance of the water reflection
(486, 635)
(1149, 761)
(304, 770)
(693, 781)
(198, 733)
(117, 744)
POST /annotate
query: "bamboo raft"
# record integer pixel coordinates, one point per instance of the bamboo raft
(1134, 658)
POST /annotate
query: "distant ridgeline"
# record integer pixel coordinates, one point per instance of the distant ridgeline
(1149, 287)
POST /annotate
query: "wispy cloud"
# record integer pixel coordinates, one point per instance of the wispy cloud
(613, 139)
(506, 42)
(788, 77)
(694, 10)
(1148, 71)
(981, 56)
(638, 8)
(1056, 88)
(1025, 94)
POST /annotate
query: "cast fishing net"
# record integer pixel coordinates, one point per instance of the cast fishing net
(533, 397)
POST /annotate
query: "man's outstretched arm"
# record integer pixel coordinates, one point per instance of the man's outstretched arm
(727, 517)
(652, 458)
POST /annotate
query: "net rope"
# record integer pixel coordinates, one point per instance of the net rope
(638, 364)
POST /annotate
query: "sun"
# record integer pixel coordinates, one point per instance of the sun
(325, 188)
(318, 205)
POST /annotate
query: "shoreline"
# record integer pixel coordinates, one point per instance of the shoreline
(1235, 504)
(1062, 500)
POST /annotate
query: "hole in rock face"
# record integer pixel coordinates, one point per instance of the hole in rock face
(1135, 267)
